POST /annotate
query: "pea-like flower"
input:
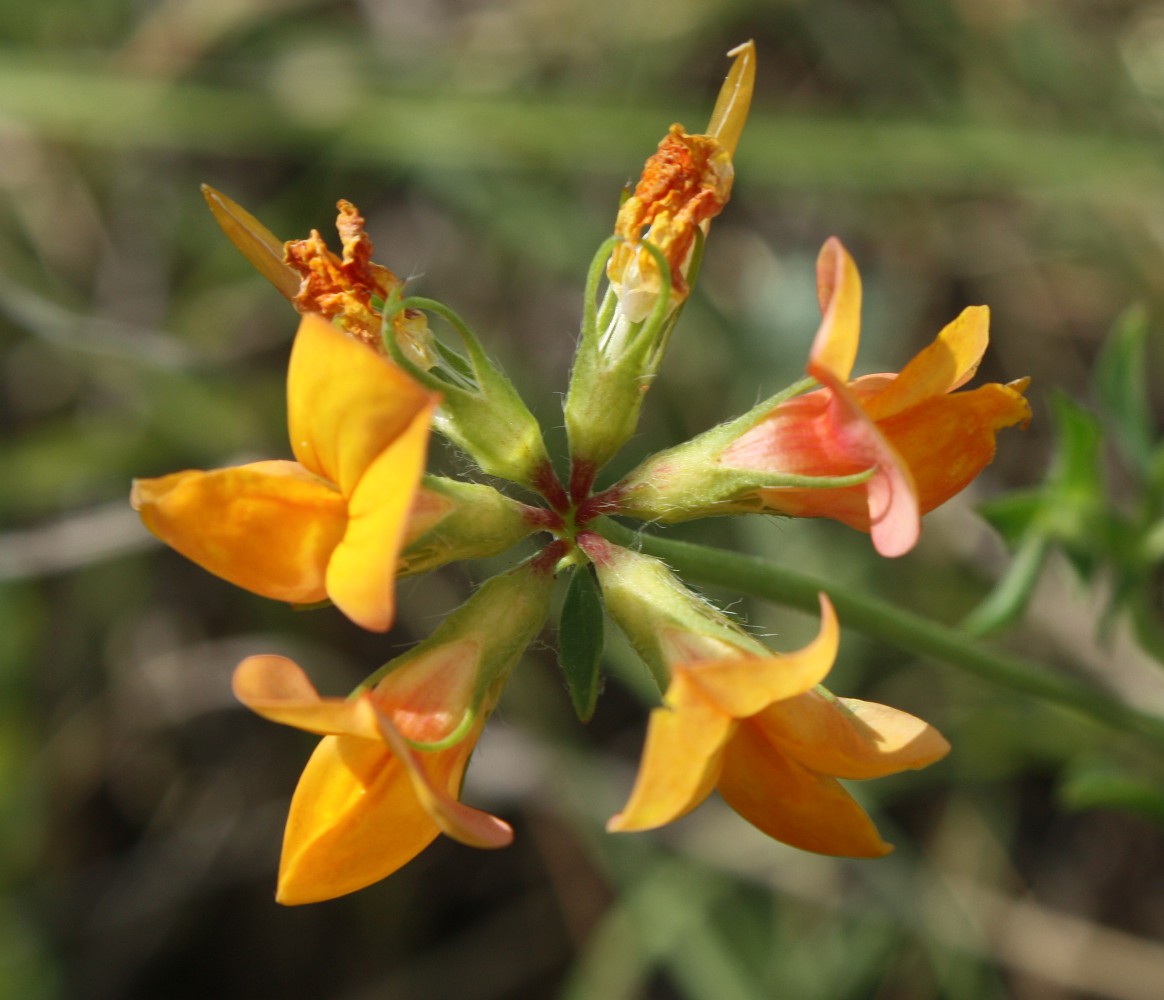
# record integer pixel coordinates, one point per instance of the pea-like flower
(386, 778)
(874, 453)
(754, 725)
(331, 524)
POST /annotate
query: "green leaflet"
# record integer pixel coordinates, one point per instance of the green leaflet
(580, 641)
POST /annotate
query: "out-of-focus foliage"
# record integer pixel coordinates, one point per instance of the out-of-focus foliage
(966, 151)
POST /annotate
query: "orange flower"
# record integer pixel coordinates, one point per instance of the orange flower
(760, 731)
(924, 443)
(332, 523)
(386, 778)
(909, 441)
(368, 801)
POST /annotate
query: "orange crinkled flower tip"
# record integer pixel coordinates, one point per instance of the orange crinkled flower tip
(331, 524)
(368, 800)
(685, 183)
(924, 442)
(773, 744)
(341, 288)
(348, 289)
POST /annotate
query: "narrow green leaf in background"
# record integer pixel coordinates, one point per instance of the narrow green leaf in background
(1121, 382)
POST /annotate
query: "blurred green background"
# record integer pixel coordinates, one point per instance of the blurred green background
(1009, 152)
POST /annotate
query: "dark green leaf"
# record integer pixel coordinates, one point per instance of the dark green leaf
(580, 641)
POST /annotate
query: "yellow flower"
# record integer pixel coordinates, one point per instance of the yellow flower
(773, 743)
(332, 523)
(386, 778)
(753, 724)
(368, 802)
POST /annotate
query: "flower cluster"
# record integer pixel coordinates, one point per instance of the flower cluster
(368, 382)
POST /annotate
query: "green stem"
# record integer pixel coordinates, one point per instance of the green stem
(759, 578)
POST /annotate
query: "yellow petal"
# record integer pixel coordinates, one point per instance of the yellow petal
(269, 527)
(361, 577)
(354, 820)
(457, 820)
(735, 98)
(681, 759)
(838, 289)
(742, 686)
(254, 240)
(949, 362)
(791, 803)
(346, 404)
(277, 689)
(848, 738)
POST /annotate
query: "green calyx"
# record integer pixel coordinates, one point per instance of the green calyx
(481, 411)
(615, 364)
(690, 481)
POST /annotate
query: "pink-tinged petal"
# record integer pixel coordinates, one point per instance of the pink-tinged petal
(253, 240)
(429, 697)
(947, 441)
(461, 822)
(361, 577)
(277, 689)
(791, 803)
(848, 738)
(742, 686)
(890, 512)
(269, 527)
(354, 820)
(735, 98)
(681, 758)
(346, 404)
(949, 362)
(838, 288)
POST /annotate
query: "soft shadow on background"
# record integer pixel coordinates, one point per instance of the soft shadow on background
(1007, 152)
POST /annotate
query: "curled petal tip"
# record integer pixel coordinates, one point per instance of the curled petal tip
(735, 98)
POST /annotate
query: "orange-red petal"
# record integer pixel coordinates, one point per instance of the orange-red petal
(791, 803)
(828, 434)
(269, 527)
(429, 696)
(437, 795)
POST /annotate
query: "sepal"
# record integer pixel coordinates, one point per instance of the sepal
(453, 520)
(482, 412)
